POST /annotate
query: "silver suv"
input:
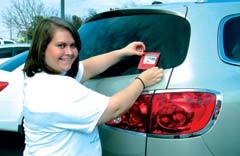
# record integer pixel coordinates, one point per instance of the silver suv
(195, 110)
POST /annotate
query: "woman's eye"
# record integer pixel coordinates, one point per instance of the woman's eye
(61, 45)
(73, 45)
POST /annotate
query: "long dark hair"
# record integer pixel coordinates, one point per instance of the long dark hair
(42, 36)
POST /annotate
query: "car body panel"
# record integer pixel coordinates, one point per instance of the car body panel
(128, 143)
(196, 72)
(173, 147)
(3, 60)
(122, 81)
(11, 100)
(200, 54)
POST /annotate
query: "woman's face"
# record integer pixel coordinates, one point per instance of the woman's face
(61, 51)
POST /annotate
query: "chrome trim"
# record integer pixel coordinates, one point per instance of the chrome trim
(219, 99)
(222, 55)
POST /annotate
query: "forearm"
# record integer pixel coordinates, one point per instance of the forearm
(98, 64)
(122, 101)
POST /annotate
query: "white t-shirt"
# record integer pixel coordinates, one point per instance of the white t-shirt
(60, 116)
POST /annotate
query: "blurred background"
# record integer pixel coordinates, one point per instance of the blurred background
(19, 17)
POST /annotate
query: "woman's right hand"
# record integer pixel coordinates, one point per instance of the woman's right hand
(151, 76)
(117, 106)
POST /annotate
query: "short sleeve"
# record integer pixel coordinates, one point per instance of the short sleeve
(65, 104)
(80, 72)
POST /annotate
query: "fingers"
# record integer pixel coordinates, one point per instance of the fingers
(157, 74)
(134, 48)
(140, 47)
(152, 76)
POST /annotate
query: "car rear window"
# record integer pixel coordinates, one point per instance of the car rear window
(8, 42)
(166, 33)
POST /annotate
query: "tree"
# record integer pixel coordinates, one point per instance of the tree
(29, 32)
(77, 21)
(22, 15)
(91, 12)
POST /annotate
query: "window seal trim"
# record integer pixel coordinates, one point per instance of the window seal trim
(222, 54)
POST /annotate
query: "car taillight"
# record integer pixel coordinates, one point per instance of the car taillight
(3, 84)
(170, 113)
(136, 118)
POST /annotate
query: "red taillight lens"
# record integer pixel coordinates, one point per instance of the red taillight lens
(181, 112)
(171, 113)
(3, 85)
(136, 118)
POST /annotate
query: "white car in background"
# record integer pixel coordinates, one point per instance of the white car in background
(9, 50)
(11, 81)
(6, 41)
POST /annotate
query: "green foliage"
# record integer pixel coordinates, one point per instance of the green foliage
(30, 30)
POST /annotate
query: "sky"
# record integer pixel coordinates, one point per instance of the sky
(78, 7)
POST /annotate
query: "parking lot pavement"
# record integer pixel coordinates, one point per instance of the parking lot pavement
(11, 144)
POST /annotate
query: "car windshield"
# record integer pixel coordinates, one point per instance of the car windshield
(161, 32)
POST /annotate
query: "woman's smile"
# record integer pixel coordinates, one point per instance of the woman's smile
(61, 52)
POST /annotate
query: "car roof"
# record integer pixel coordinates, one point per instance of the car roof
(15, 45)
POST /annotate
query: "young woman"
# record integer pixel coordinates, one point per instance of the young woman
(61, 115)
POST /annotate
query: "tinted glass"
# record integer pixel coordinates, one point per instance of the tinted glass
(231, 39)
(6, 52)
(8, 42)
(165, 33)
